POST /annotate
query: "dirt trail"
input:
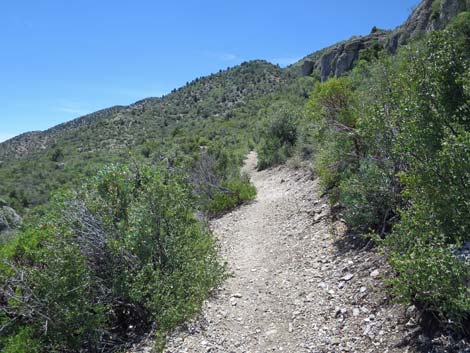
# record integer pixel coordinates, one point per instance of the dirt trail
(294, 287)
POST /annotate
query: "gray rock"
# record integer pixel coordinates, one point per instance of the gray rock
(338, 59)
(9, 219)
(423, 20)
(463, 252)
(3, 223)
(411, 312)
(307, 67)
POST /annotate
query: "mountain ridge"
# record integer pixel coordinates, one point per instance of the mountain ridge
(337, 59)
(206, 108)
(334, 60)
(30, 142)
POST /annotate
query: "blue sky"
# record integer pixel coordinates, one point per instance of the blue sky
(62, 59)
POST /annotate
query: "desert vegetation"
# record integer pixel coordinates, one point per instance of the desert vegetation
(105, 261)
(115, 205)
(391, 146)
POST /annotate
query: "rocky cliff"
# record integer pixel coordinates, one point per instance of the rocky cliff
(429, 15)
(338, 59)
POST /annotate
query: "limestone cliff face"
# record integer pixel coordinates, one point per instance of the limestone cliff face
(340, 58)
(429, 15)
(336, 60)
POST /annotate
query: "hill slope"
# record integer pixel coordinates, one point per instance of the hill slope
(219, 108)
(204, 111)
(125, 126)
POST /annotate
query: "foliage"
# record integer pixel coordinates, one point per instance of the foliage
(333, 113)
(429, 273)
(231, 194)
(436, 9)
(105, 261)
(367, 197)
(392, 145)
(216, 110)
(127, 249)
(278, 136)
(372, 52)
(218, 183)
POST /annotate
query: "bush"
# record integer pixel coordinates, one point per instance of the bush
(392, 145)
(217, 181)
(230, 195)
(103, 262)
(278, 138)
(22, 342)
(430, 274)
(368, 198)
(332, 108)
(271, 152)
(435, 141)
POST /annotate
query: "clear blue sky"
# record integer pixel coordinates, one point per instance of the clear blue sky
(60, 59)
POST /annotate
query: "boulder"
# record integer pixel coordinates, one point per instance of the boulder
(9, 219)
(4, 226)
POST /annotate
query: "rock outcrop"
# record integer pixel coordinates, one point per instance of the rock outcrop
(9, 219)
(340, 58)
(429, 15)
(336, 60)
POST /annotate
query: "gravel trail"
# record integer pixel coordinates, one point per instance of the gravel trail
(295, 286)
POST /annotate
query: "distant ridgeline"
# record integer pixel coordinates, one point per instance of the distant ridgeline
(34, 163)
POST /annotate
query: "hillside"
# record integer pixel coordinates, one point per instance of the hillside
(318, 207)
(203, 111)
(33, 164)
(122, 127)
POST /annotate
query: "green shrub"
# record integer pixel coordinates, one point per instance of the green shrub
(392, 145)
(436, 9)
(429, 273)
(123, 251)
(22, 342)
(278, 138)
(232, 194)
(332, 109)
(217, 182)
(368, 198)
(271, 152)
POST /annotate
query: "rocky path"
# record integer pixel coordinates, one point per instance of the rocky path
(294, 288)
